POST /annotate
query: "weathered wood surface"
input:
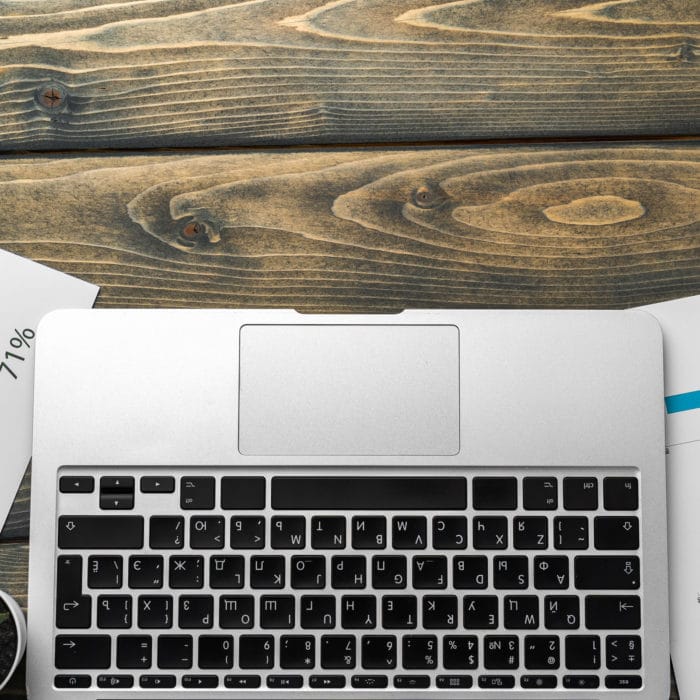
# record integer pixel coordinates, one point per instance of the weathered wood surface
(75, 73)
(347, 230)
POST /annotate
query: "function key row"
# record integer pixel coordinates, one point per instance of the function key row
(250, 492)
(410, 532)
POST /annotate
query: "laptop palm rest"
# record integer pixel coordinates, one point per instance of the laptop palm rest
(349, 390)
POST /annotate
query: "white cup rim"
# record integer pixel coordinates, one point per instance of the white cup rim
(20, 628)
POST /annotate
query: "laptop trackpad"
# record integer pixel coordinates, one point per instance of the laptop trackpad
(349, 390)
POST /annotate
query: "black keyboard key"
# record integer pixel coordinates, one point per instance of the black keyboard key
(623, 682)
(620, 493)
(82, 651)
(537, 682)
(277, 612)
(236, 612)
(480, 612)
(288, 532)
(105, 572)
(297, 651)
(411, 682)
(440, 612)
(501, 653)
(460, 652)
(541, 653)
(146, 572)
(540, 493)
(399, 612)
(470, 572)
(581, 682)
(227, 572)
(267, 572)
(87, 532)
(155, 612)
(117, 492)
(155, 682)
(283, 682)
(65, 681)
(420, 652)
(247, 532)
(118, 484)
(189, 681)
(454, 682)
(521, 612)
(616, 532)
(309, 572)
(115, 682)
(242, 682)
(134, 652)
(157, 484)
(76, 484)
(429, 572)
(378, 652)
(369, 532)
(348, 572)
(186, 572)
(582, 652)
(207, 532)
(114, 612)
(571, 533)
(167, 532)
(328, 532)
(495, 493)
(358, 612)
(530, 532)
(551, 572)
(606, 573)
(328, 682)
(196, 612)
(369, 493)
(610, 612)
(388, 572)
(117, 501)
(490, 532)
(580, 493)
(256, 651)
(496, 682)
(337, 652)
(175, 652)
(73, 610)
(317, 611)
(369, 682)
(409, 532)
(562, 612)
(623, 653)
(450, 532)
(510, 572)
(197, 492)
(243, 493)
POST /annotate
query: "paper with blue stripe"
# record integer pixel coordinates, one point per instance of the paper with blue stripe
(683, 402)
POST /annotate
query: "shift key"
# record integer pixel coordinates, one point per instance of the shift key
(100, 532)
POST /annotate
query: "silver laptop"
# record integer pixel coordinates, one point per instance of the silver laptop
(264, 504)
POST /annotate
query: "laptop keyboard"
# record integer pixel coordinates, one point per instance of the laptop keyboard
(242, 578)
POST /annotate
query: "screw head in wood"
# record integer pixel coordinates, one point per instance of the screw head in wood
(51, 96)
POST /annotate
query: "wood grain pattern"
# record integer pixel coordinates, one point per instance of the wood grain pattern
(371, 230)
(230, 72)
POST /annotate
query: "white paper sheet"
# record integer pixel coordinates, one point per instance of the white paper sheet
(27, 292)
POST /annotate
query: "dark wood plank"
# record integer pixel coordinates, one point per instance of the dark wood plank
(349, 230)
(227, 72)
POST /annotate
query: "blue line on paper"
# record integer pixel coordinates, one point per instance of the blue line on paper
(683, 402)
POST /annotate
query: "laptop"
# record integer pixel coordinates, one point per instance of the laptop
(265, 504)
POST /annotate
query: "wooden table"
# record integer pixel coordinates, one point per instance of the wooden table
(390, 154)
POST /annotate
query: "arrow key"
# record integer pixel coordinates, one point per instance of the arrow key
(157, 484)
(76, 484)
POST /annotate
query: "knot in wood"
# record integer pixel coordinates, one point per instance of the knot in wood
(429, 195)
(51, 97)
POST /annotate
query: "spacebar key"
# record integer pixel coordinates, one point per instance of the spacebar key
(100, 532)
